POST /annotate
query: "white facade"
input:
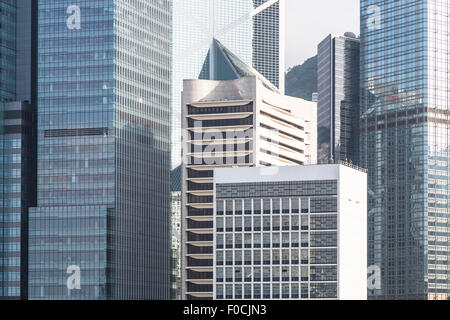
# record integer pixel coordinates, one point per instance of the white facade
(234, 187)
(291, 123)
(235, 123)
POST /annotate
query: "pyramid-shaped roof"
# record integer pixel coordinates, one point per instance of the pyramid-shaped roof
(221, 64)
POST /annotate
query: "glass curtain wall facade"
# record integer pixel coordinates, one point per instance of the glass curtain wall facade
(338, 99)
(268, 33)
(17, 142)
(9, 266)
(17, 194)
(104, 151)
(248, 28)
(405, 145)
(8, 50)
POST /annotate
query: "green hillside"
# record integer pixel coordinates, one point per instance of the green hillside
(301, 80)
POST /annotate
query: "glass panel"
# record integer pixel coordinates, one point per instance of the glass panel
(229, 257)
(295, 223)
(238, 223)
(247, 223)
(276, 206)
(219, 224)
(257, 223)
(229, 207)
(238, 240)
(295, 202)
(257, 240)
(238, 274)
(266, 206)
(266, 223)
(285, 222)
(238, 257)
(248, 206)
(256, 257)
(229, 224)
(285, 205)
(219, 207)
(276, 223)
(238, 207)
(257, 206)
(276, 256)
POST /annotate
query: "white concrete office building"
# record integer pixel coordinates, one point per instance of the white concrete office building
(235, 123)
(297, 232)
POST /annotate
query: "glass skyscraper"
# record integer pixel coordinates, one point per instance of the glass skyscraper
(101, 228)
(17, 142)
(9, 262)
(8, 50)
(251, 29)
(405, 128)
(338, 98)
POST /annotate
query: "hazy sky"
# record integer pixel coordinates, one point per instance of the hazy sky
(310, 21)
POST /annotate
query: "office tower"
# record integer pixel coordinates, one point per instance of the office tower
(101, 228)
(233, 123)
(405, 123)
(252, 29)
(17, 142)
(17, 194)
(338, 98)
(8, 51)
(300, 233)
(175, 179)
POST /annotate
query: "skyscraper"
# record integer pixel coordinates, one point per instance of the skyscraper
(8, 50)
(252, 29)
(17, 142)
(175, 178)
(17, 194)
(299, 233)
(405, 128)
(338, 98)
(101, 228)
(240, 122)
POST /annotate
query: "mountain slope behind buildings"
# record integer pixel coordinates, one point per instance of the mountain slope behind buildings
(301, 80)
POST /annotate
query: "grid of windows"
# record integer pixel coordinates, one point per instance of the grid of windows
(8, 16)
(274, 248)
(338, 99)
(405, 139)
(17, 194)
(270, 189)
(104, 150)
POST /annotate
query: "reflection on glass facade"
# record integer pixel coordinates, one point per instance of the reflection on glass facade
(8, 14)
(9, 266)
(338, 99)
(405, 145)
(17, 194)
(17, 143)
(104, 151)
(254, 35)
